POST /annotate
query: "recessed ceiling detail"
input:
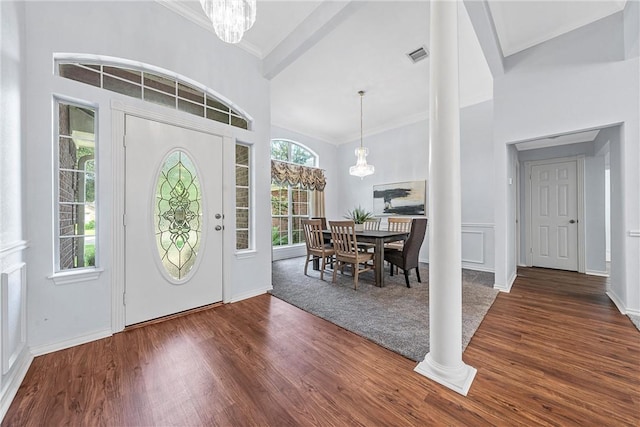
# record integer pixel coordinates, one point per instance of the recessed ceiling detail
(523, 24)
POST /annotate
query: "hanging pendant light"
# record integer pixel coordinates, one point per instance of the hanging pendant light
(230, 18)
(361, 167)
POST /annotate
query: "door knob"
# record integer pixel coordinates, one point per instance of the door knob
(218, 227)
(572, 221)
(218, 216)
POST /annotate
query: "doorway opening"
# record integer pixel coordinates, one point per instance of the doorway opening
(546, 170)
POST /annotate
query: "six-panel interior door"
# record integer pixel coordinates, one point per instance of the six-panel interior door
(554, 216)
(173, 208)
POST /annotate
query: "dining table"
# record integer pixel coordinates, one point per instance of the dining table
(378, 238)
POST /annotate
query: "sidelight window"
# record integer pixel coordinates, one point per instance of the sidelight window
(76, 187)
(243, 199)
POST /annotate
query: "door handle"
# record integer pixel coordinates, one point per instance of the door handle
(218, 227)
(573, 221)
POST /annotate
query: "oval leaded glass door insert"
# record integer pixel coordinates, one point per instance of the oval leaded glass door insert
(178, 215)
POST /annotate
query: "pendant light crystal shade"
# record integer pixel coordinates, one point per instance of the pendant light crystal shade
(361, 168)
(230, 18)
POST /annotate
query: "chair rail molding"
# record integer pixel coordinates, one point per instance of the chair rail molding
(478, 225)
(11, 248)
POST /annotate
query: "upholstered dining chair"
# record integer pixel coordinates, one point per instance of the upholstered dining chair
(316, 247)
(345, 244)
(400, 224)
(407, 258)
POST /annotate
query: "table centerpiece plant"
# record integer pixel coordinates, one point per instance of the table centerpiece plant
(359, 215)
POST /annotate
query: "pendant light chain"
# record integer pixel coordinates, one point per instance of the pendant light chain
(361, 95)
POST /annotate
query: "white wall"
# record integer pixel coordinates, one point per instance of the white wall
(478, 182)
(632, 29)
(14, 354)
(61, 315)
(11, 131)
(591, 86)
(402, 154)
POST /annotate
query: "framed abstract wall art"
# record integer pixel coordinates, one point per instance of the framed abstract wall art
(400, 198)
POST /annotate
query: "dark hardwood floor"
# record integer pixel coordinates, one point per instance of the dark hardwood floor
(554, 351)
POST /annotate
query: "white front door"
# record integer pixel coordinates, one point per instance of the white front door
(173, 225)
(554, 215)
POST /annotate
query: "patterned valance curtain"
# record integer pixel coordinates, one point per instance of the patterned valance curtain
(289, 173)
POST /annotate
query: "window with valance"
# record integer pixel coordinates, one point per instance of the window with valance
(296, 184)
(306, 177)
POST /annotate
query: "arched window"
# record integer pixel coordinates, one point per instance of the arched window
(292, 152)
(290, 204)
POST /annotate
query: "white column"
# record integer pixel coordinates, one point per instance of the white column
(443, 363)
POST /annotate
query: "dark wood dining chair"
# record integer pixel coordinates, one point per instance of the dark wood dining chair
(343, 237)
(407, 258)
(316, 247)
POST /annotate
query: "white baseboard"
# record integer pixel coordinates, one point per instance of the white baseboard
(617, 301)
(467, 266)
(477, 267)
(72, 342)
(14, 379)
(597, 273)
(250, 294)
(508, 285)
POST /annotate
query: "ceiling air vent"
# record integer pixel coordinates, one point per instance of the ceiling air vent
(418, 54)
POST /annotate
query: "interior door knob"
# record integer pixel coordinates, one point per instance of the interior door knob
(572, 221)
(218, 227)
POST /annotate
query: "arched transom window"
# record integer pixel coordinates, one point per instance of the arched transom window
(152, 85)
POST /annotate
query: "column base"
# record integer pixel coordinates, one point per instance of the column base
(458, 379)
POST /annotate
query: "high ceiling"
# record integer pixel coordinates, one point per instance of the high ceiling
(319, 54)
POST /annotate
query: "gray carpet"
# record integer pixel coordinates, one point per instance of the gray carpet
(394, 316)
(635, 320)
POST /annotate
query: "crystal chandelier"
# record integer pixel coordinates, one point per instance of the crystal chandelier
(230, 18)
(361, 167)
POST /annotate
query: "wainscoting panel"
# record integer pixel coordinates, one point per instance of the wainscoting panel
(14, 336)
(478, 246)
(15, 357)
(473, 246)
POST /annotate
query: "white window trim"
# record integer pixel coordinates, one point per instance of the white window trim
(82, 274)
(251, 248)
